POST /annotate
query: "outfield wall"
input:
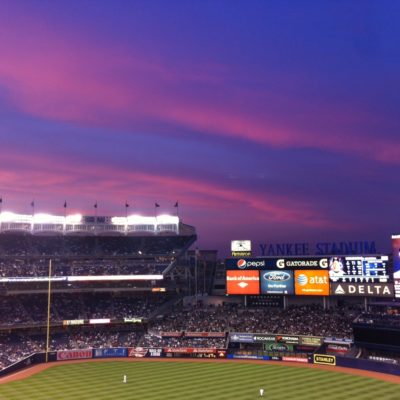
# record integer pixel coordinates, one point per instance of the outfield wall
(190, 352)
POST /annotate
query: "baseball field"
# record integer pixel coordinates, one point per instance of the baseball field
(194, 381)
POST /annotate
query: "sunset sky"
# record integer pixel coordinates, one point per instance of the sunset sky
(276, 121)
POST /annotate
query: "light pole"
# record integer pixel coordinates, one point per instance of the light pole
(48, 314)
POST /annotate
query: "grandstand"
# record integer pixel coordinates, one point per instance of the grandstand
(134, 283)
(115, 269)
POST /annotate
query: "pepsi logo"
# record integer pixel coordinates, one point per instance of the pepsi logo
(241, 263)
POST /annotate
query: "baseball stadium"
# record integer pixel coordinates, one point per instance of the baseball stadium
(100, 307)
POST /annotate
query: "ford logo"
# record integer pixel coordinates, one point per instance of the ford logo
(276, 276)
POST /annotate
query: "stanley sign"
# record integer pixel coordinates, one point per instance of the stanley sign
(324, 359)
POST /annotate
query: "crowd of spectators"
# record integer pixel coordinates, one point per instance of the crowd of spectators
(16, 346)
(40, 268)
(295, 320)
(32, 309)
(14, 244)
(154, 340)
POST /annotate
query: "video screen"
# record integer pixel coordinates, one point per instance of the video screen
(358, 269)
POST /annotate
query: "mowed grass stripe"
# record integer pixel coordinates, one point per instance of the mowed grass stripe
(194, 381)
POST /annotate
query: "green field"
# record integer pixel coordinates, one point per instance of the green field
(203, 380)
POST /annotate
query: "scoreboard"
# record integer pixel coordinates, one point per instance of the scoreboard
(359, 269)
(311, 276)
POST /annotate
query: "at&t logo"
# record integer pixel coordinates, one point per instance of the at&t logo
(302, 280)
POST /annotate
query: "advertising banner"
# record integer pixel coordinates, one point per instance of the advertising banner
(288, 263)
(277, 282)
(133, 320)
(205, 334)
(74, 354)
(221, 353)
(189, 350)
(363, 289)
(111, 352)
(171, 334)
(241, 248)
(235, 337)
(295, 359)
(311, 283)
(155, 352)
(99, 321)
(314, 341)
(324, 359)
(335, 348)
(247, 356)
(137, 352)
(272, 346)
(261, 338)
(242, 282)
(287, 339)
(73, 322)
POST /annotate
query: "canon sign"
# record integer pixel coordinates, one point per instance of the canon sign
(74, 354)
(242, 263)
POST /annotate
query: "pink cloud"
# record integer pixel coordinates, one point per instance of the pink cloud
(29, 176)
(68, 78)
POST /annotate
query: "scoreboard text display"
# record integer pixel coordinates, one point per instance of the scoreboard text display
(242, 282)
(311, 283)
(355, 269)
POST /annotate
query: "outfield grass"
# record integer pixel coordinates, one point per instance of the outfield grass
(194, 381)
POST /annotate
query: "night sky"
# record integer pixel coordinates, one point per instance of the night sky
(276, 121)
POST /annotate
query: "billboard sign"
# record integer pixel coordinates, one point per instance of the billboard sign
(236, 337)
(277, 282)
(242, 282)
(155, 352)
(311, 283)
(111, 352)
(73, 354)
(260, 338)
(362, 289)
(324, 359)
(289, 263)
(314, 341)
(137, 352)
(241, 248)
(272, 346)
